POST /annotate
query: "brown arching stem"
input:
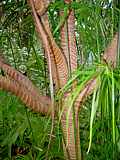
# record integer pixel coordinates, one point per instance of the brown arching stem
(60, 63)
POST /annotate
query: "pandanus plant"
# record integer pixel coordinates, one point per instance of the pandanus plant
(61, 63)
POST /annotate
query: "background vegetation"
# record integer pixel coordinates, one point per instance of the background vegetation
(24, 134)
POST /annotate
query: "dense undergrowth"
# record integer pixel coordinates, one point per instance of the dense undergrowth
(24, 135)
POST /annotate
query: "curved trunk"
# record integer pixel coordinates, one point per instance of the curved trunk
(51, 47)
(19, 78)
(22, 87)
(64, 41)
(72, 41)
(40, 104)
(68, 45)
(70, 128)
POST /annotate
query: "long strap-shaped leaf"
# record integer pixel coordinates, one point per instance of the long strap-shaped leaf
(41, 104)
(26, 96)
(51, 47)
(110, 54)
(71, 140)
(109, 57)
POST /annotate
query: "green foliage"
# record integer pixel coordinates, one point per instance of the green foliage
(104, 104)
(104, 98)
(96, 22)
(23, 134)
(102, 144)
(19, 43)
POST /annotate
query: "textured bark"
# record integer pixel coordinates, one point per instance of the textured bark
(60, 59)
(41, 104)
(68, 40)
(23, 88)
(64, 40)
(51, 48)
(68, 45)
(72, 41)
(110, 55)
(19, 78)
(55, 75)
(70, 128)
(41, 6)
(18, 84)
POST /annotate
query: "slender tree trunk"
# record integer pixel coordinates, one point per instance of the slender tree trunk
(70, 127)
(63, 62)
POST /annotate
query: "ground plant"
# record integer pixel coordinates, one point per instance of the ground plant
(60, 80)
